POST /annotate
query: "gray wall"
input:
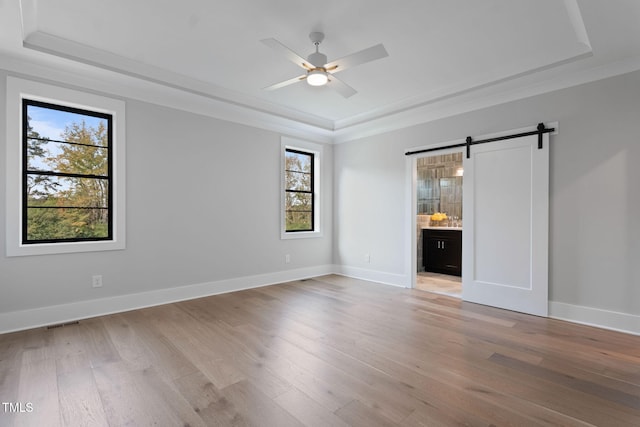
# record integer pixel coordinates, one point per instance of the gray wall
(594, 206)
(196, 216)
(203, 205)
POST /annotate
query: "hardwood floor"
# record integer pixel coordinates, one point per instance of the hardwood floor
(444, 284)
(330, 351)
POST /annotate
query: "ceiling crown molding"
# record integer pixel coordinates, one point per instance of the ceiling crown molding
(50, 44)
(49, 57)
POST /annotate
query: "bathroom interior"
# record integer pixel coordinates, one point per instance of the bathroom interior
(439, 224)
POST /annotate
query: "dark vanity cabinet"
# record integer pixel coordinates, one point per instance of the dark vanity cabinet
(442, 251)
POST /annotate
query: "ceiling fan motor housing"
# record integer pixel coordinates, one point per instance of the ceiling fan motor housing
(317, 59)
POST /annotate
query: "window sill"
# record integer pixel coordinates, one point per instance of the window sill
(63, 248)
(300, 235)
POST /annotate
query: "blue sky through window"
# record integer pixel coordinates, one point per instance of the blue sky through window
(50, 123)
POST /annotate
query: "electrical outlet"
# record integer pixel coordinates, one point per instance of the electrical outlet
(96, 281)
(367, 258)
(287, 259)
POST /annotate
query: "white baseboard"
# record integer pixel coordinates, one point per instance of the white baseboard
(372, 275)
(621, 322)
(64, 313)
(599, 318)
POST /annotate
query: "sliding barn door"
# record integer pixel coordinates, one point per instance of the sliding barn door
(505, 236)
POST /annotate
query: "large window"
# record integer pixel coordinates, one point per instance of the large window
(66, 180)
(299, 197)
(300, 189)
(65, 170)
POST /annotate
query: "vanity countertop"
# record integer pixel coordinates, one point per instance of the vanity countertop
(442, 228)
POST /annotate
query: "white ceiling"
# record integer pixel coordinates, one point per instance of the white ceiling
(439, 51)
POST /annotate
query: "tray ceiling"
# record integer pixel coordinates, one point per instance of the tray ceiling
(437, 50)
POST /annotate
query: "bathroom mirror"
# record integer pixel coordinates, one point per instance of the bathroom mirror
(439, 185)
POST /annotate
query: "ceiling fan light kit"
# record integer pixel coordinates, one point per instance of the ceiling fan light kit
(318, 69)
(317, 77)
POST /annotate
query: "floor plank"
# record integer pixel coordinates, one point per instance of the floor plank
(258, 408)
(79, 399)
(439, 283)
(38, 387)
(307, 410)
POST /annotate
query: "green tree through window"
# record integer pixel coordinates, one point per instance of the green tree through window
(66, 174)
(299, 198)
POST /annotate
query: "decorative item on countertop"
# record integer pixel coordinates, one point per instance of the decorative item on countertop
(438, 219)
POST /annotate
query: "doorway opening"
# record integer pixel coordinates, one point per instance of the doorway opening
(438, 208)
(505, 246)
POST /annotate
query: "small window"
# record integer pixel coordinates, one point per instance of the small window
(67, 174)
(299, 197)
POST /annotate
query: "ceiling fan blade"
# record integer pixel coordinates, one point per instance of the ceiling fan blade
(366, 55)
(291, 55)
(341, 87)
(286, 82)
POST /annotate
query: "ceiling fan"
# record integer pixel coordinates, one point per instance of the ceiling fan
(320, 72)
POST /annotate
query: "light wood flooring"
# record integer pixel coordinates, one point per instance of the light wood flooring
(439, 283)
(330, 351)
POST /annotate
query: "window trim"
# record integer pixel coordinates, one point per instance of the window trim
(307, 148)
(20, 89)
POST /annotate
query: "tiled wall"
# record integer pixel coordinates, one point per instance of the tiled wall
(438, 187)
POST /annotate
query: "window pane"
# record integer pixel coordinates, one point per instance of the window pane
(300, 181)
(298, 221)
(299, 212)
(299, 190)
(298, 202)
(300, 162)
(44, 190)
(66, 223)
(58, 124)
(45, 155)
